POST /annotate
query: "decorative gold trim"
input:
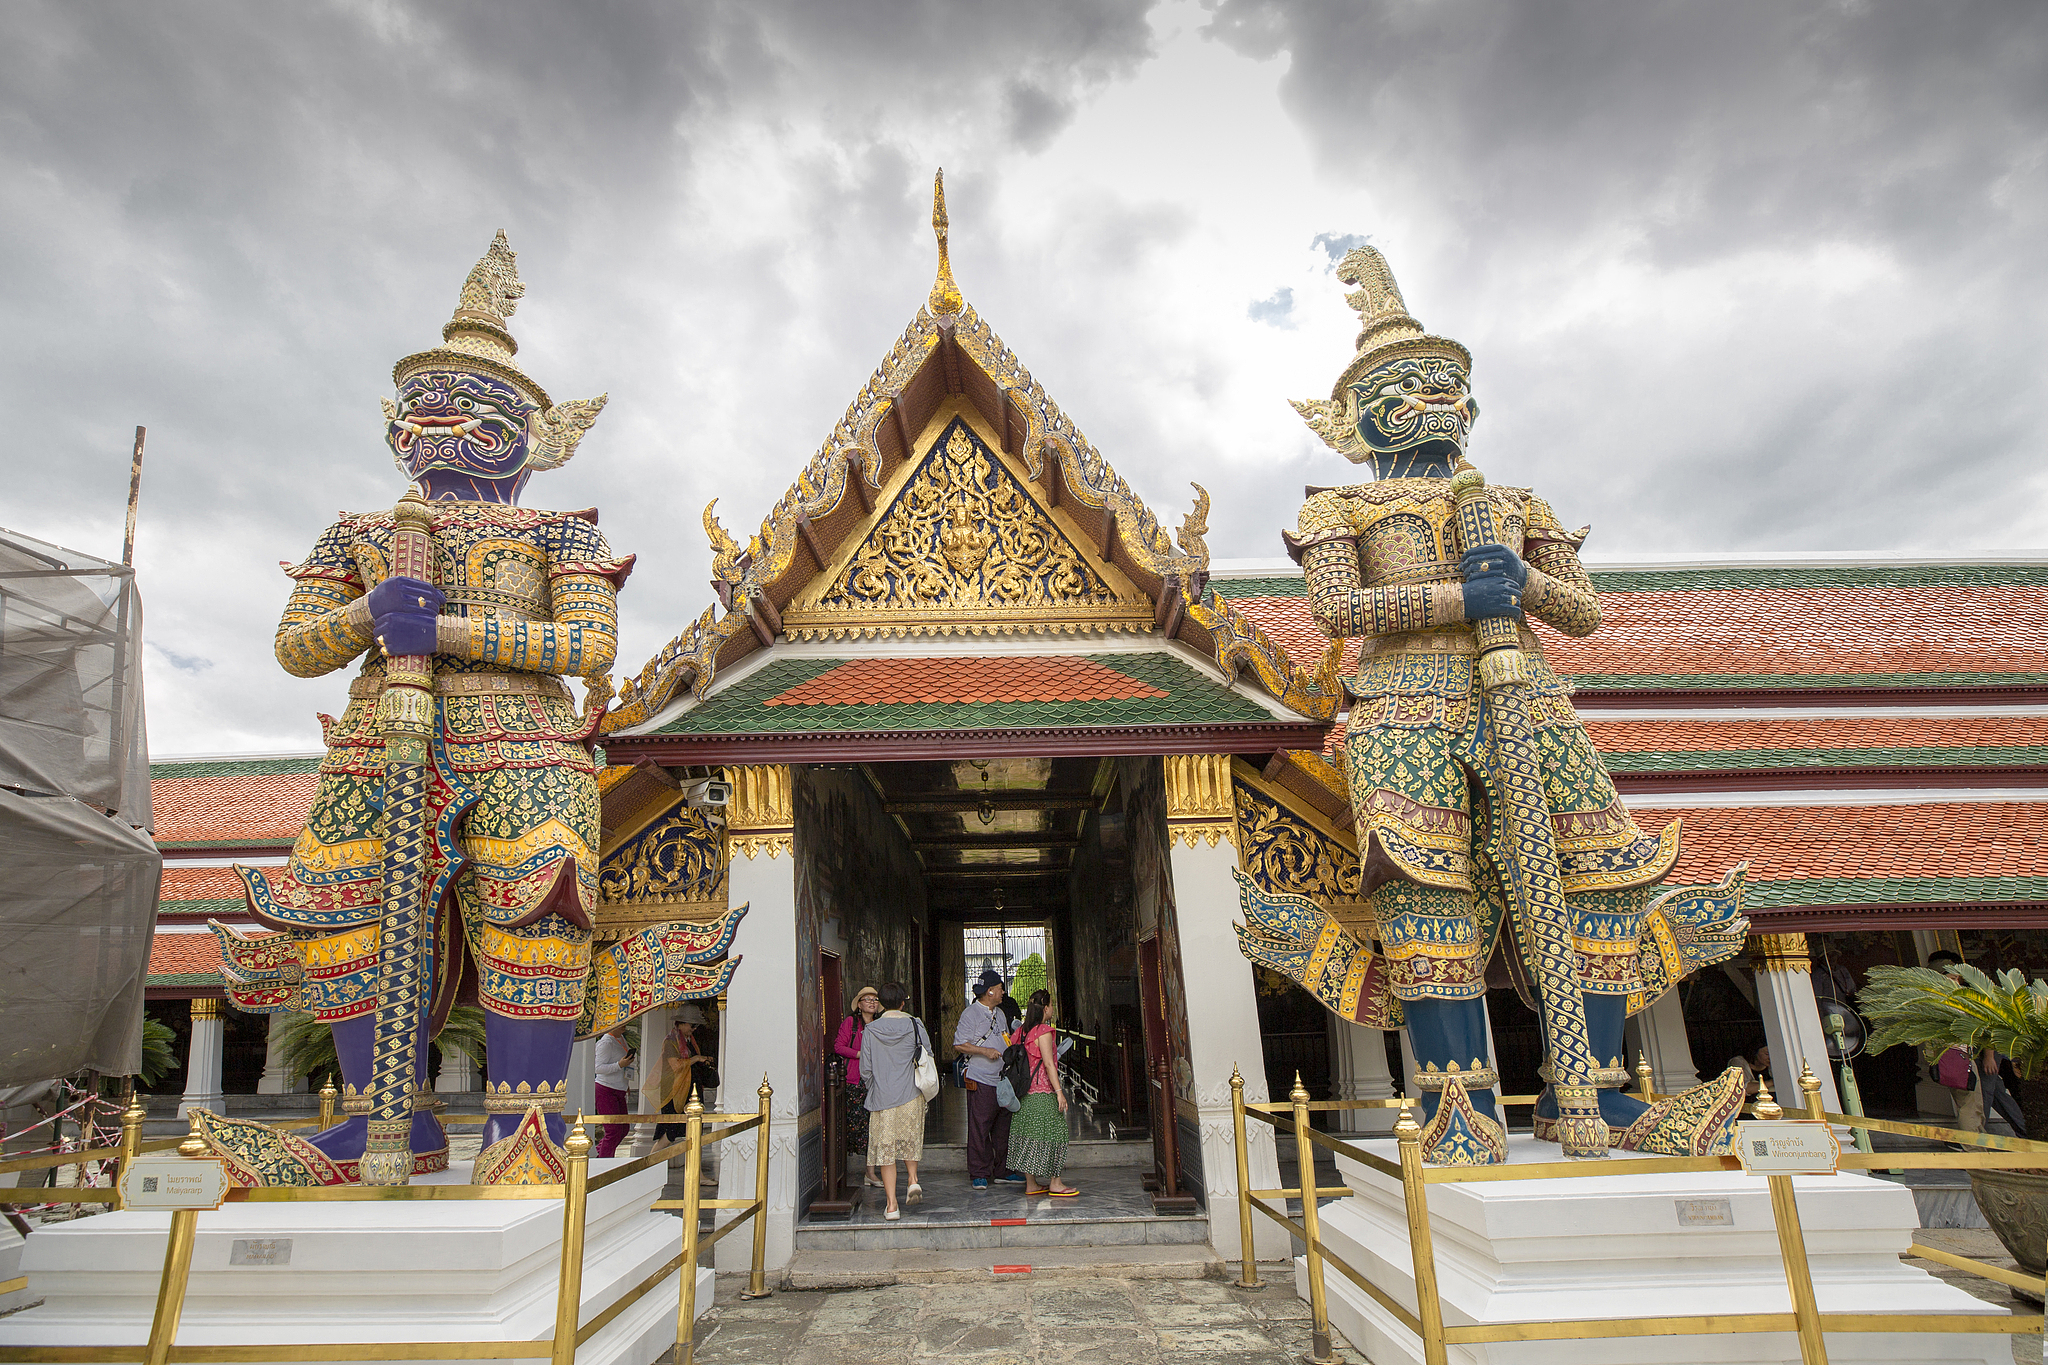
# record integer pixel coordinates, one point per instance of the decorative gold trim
(473, 684)
(808, 617)
(1779, 953)
(1193, 832)
(763, 798)
(614, 920)
(204, 1007)
(1293, 804)
(1198, 787)
(749, 845)
(506, 1098)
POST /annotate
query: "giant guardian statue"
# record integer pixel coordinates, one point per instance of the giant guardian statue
(1488, 828)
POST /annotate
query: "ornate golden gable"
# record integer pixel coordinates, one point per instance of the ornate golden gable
(962, 543)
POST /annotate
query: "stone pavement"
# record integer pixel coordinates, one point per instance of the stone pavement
(1045, 1322)
(1981, 1244)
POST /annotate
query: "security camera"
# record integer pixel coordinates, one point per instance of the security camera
(708, 792)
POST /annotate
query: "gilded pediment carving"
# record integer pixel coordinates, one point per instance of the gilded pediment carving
(965, 545)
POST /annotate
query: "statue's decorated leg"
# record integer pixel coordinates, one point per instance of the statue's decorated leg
(528, 1062)
(1461, 1126)
(344, 1141)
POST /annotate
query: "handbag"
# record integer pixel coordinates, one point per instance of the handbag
(925, 1070)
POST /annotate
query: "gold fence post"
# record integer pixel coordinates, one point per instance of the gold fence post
(1813, 1349)
(328, 1095)
(1429, 1309)
(686, 1302)
(1247, 1258)
(131, 1144)
(757, 1283)
(1809, 1086)
(1645, 1079)
(1305, 1161)
(575, 1201)
(170, 1292)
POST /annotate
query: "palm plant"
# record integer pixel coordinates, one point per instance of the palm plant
(305, 1045)
(159, 1052)
(1924, 1008)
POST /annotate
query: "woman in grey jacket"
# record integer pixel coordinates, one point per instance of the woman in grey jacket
(889, 1047)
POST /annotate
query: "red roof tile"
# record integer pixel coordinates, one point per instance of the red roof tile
(1848, 732)
(1973, 840)
(184, 955)
(966, 680)
(1896, 632)
(242, 808)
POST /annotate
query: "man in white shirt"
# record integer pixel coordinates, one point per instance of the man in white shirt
(980, 1036)
(613, 1057)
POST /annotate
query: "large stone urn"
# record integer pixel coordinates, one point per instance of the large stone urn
(2015, 1204)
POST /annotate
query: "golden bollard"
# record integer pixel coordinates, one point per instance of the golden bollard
(328, 1095)
(1247, 1256)
(1305, 1164)
(569, 1296)
(1809, 1089)
(757, 1282)
(1644, 1086)
(132, 1119)
(1429, 1309)
(1766, 1106)
(170, 1293)
(693, 1174)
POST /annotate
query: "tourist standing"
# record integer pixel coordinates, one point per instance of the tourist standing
(889, 1049)
(1955, 1069)
(680, 1057)
(981, 1035)
(866, 1005)
(613, 1057)
(1038, 1138)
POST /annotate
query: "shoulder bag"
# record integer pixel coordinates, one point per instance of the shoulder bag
(925, 1070)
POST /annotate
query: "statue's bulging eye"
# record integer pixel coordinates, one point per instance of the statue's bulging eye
(465, 404)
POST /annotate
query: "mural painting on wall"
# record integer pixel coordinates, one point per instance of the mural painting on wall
(853, 867)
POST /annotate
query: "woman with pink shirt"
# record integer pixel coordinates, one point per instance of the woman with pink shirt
(1038, 1135)
(866, 1005)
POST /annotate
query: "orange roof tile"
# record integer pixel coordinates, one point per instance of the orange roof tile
(184, 955)
(966, 680)
(243, 808)
(1840, 732)
(186, 884)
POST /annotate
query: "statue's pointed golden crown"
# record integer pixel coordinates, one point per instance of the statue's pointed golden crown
(1387, 327)
(945, 300)
(476, 336)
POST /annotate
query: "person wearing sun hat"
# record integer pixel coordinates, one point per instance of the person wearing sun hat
(867, 1003)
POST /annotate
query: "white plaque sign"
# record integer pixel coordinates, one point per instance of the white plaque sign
(174, 1182)
(260, 1251)
(1787, 1147)
(1705, 1213)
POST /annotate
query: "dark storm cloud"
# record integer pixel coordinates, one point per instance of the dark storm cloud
(1742, 155)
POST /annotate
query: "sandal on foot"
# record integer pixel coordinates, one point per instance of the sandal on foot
(891, 1215)
(913, 1194)
(1063, 1194)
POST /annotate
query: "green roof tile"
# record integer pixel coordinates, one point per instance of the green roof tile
(1793, 892)
(1191, 699)
(235, 767)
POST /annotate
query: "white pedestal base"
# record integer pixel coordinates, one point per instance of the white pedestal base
(463, 1270)
(1609, 1247)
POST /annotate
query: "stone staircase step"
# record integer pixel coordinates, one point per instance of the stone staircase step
(810, 1269)
(952, 1156)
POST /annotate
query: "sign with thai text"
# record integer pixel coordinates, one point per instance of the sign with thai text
(1787, 1147)
(174, 1182)
(260, 1251)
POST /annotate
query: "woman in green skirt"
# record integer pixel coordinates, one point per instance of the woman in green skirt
(1038, 1135)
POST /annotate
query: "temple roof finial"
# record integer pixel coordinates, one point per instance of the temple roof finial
(945, 300)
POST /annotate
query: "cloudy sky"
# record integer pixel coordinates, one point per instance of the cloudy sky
(1738, 276)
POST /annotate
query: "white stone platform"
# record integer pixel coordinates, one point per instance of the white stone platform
(385, 1271)
(1636, 1246)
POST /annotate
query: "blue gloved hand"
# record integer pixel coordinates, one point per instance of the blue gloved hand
(403, 612)
(1494, 559)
